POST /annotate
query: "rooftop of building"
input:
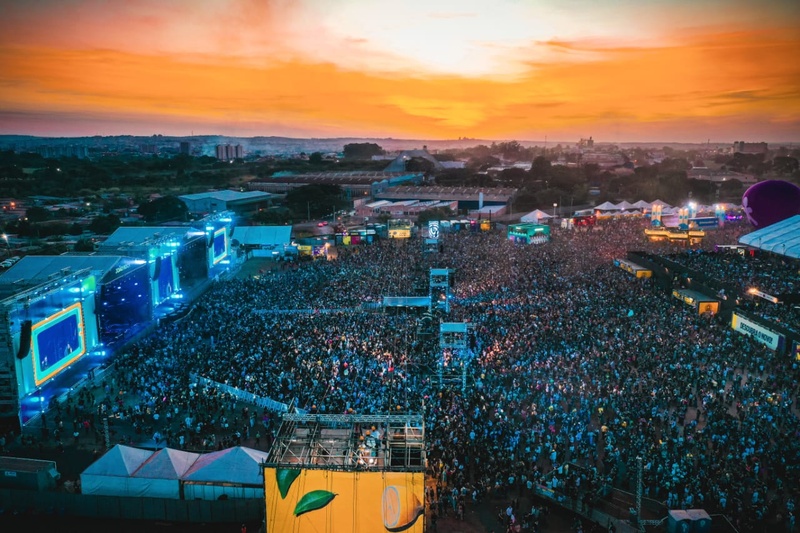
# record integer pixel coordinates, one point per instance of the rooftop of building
(228, 196)
(355, 177)
(499, 194)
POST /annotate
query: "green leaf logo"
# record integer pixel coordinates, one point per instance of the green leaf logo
(285, 477)
(316, 499)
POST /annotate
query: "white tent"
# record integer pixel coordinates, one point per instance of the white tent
(159, 476)
(641, 204)
(780, 238)
(624, 204)
(110, 474)
(606, 206)
(535, 216)
(661, 203)
(234, 472)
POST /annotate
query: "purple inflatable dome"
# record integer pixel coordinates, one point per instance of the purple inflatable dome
(771, 201)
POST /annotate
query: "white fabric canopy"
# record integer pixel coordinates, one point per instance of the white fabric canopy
(535, 216)
(110, 474)
(625, 205)
(132, 472)
(606, 206)
(233, 465)
(159, 476)
(235, 473)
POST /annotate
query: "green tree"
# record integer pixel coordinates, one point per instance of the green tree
(785, 165)
(37, 214)
(164, 209)
(104, 225)
(315, 200)
(540, 168)
(276, 216)
(419, 164)
(361, 150)
(84, 245)
(513, 177)
(483, 162)
(525, 201)
(439, 213)
(315, 158)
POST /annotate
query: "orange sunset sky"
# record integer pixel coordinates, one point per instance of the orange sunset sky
(618, 70)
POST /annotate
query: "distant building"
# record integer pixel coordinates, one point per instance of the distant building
(602, 160)
(718, 176)
(399, 162)
(587, 144)
(355, 184)
(52, 152)
(186, 148)
(403, 209)
(229, 152)
(750, 148)
(468, 198)
(148, 149)
(241, 203)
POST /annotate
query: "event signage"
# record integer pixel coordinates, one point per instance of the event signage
(768, 297)
(433, 229)
(761, 334)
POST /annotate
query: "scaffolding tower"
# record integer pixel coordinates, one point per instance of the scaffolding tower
(350, 443)
(455, 354)
(439, 288)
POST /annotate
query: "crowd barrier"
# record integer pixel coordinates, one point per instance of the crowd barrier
(310, 311)
(239, 394)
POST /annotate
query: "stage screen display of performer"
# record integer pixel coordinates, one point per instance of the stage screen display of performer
(57, 342)
(220, 245)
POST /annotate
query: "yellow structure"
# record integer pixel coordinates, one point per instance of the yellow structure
(699, 301)
(675, 235)
(353, 473)
(334, 501)
(637, 270)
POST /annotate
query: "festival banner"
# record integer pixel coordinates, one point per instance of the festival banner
(760, 333)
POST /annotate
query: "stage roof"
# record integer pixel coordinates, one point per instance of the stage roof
(142, 235)
(263, 235)
(781, 238)
(35, 269)
(228, 196)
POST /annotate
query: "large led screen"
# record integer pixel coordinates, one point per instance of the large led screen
(56, 342)
(166, 279)
(334, 501)
(220, 245)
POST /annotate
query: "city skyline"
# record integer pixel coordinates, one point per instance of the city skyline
(621, 71)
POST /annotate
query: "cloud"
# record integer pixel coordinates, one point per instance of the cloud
(404, 71)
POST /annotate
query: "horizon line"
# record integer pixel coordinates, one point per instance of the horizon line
(400, 139)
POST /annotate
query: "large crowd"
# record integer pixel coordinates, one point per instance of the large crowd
(757, 277)
(579, 371)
